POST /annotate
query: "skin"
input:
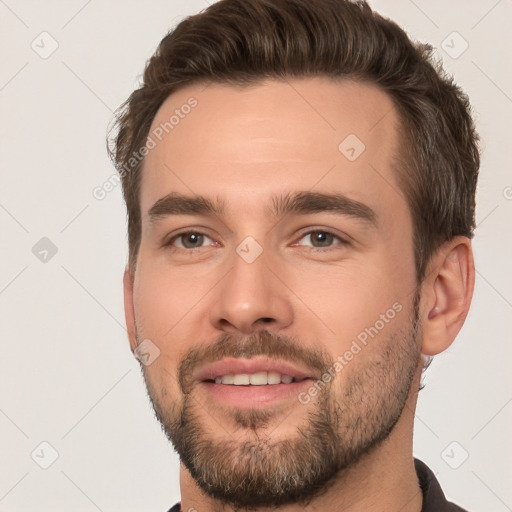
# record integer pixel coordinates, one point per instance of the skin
(245, 145)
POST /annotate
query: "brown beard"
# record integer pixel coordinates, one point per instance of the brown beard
(338, 430)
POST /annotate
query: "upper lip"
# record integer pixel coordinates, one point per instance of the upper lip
(232, 366)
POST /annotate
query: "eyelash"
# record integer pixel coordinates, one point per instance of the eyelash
(171, 241)
(342, 241)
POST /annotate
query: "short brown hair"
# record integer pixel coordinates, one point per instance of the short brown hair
(243, 42)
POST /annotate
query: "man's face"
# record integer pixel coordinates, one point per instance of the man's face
(302, 266)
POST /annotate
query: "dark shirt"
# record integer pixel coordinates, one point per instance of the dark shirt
(433, 496)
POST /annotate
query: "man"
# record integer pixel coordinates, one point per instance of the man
(300, 184)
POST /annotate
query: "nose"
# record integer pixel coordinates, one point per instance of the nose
(250, 298)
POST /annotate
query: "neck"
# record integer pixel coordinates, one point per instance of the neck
(383, 480)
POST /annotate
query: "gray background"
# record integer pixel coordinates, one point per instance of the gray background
(66, 373)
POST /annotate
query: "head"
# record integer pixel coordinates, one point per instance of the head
(300, 184)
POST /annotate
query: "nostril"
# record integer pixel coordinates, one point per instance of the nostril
(267, 320)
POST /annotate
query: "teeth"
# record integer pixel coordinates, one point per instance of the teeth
(258, 379)
(254, 379)
(228, 379)
(274, 378)
(241, 379)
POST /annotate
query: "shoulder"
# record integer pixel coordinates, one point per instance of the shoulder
(434, 499)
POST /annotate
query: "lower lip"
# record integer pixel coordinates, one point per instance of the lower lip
(250, 397)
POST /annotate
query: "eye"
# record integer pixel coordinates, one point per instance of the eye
(320, 238)
(189, 240)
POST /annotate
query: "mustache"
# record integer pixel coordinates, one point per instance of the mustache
(257, 344)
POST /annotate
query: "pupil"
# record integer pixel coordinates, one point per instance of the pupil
(193, 240)
(322, 239)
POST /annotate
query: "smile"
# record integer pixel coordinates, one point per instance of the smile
(256, 379)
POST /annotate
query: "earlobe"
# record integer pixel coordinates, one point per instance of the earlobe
(129, 310)
(448, 289)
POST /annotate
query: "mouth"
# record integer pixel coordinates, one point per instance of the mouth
(252, 372)
(263, 378)
(253, 383)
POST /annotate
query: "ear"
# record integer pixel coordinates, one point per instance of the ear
(446, 294)
(129, 310)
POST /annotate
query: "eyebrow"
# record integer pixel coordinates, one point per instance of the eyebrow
(303, 203)
(318, 202)
(179, 204)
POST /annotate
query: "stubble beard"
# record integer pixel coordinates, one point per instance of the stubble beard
(344, 424)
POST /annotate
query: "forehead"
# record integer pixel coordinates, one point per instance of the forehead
(247, 142)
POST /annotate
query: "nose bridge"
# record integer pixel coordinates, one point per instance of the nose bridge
(251, 297)
(250, 273)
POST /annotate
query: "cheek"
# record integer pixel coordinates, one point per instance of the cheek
(164, 296)
(158, 310)
(344, 300)
(171, 305)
